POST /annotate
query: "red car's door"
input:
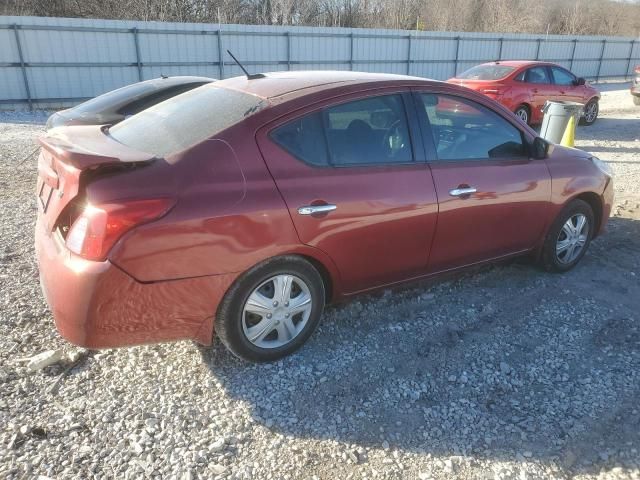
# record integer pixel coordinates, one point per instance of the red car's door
(537, 82)
(357, 186)
(567, 85)
(492, 197)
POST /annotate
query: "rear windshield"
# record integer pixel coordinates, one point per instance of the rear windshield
(486, 72)
(185, 120)
(116, 97)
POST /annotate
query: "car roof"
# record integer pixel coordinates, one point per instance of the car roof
(519, 63)
(297, 83)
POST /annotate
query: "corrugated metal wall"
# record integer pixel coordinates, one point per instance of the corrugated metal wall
(57, 60)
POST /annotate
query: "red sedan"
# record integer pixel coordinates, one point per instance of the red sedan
(244, 206)
(524, 87)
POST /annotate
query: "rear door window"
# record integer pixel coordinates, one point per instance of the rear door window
(186, 120)
(537, 75)
(371, 131)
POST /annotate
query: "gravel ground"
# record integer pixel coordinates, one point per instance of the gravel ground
(502, 372)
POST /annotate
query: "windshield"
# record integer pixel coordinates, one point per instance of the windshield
(486, 72)
(185, 120)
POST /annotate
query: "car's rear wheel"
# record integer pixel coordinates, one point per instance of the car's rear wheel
(271, 310)
(524, 113)
(636, 100)
(591, 110)
(569, 237)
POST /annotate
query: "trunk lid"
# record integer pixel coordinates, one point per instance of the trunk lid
(67, 156)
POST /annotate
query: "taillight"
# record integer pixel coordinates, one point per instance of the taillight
(98, 228)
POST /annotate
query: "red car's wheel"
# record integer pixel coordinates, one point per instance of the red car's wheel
(591, 110)
(569, 237)
(272, 309)
(524, 113)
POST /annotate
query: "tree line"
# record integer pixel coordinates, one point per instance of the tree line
(568, 17)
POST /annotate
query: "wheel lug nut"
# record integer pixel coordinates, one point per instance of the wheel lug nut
(275, 304)
(286, 315)
(268, 315)
(286, 304)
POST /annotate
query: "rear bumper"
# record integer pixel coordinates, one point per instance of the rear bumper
(97, 305)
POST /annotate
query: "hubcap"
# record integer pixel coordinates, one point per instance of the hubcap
(276, 311)
(572, 238)
(592, 112)
(522, 113)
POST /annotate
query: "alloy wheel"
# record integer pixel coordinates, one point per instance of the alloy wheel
(523, 114)
(591, 112)
(572, 238)
(276, 311)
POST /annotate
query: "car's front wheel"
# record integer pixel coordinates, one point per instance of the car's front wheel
(523, 113)
(272, 309)
(569, 237)
(591, 110)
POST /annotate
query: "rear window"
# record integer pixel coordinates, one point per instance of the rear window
(107, 100)
(185, 120)
(486, 72)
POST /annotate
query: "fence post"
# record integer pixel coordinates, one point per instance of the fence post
(539, 40)
(23, 66)
(351, 51)
(288, 36)
(220, 57)
(455, 68)
(604, 44)
(409, 57)
(626, 73)
(137, 44)
(500, 50)
(573, 53)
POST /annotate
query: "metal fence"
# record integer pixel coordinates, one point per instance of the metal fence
(52, 61)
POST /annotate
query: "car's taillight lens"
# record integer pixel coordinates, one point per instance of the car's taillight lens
(98, 228)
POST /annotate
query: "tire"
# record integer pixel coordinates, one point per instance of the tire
(524, 112)
(636, 99)
(593, 104)
(285, 329)
(557, 237)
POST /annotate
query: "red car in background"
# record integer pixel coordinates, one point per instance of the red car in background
(524, 87)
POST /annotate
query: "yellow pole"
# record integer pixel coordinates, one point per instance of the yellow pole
(569, 136)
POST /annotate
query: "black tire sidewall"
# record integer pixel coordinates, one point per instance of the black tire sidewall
(229, 316)
(549, 257)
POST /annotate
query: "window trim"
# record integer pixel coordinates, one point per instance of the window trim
(406, 102)
(428, 139)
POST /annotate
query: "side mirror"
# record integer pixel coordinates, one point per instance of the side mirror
(580, 81)
(539, 148)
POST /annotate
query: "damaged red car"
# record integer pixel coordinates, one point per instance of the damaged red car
(242, 207)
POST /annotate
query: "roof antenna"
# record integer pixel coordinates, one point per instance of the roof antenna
(249, 75)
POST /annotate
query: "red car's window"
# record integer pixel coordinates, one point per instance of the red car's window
(465, 130)
(537, 75)
(562, 77)
(486, 72)
(186, 120)
(370, 131)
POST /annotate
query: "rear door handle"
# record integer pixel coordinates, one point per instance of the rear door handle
(459, 192)
(311, 209)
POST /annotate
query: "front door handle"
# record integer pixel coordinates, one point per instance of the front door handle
(461, 192)
(311, 209)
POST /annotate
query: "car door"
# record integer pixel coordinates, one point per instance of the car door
(356, 185)
(492, 197)
(538, 83)
(567, 85)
